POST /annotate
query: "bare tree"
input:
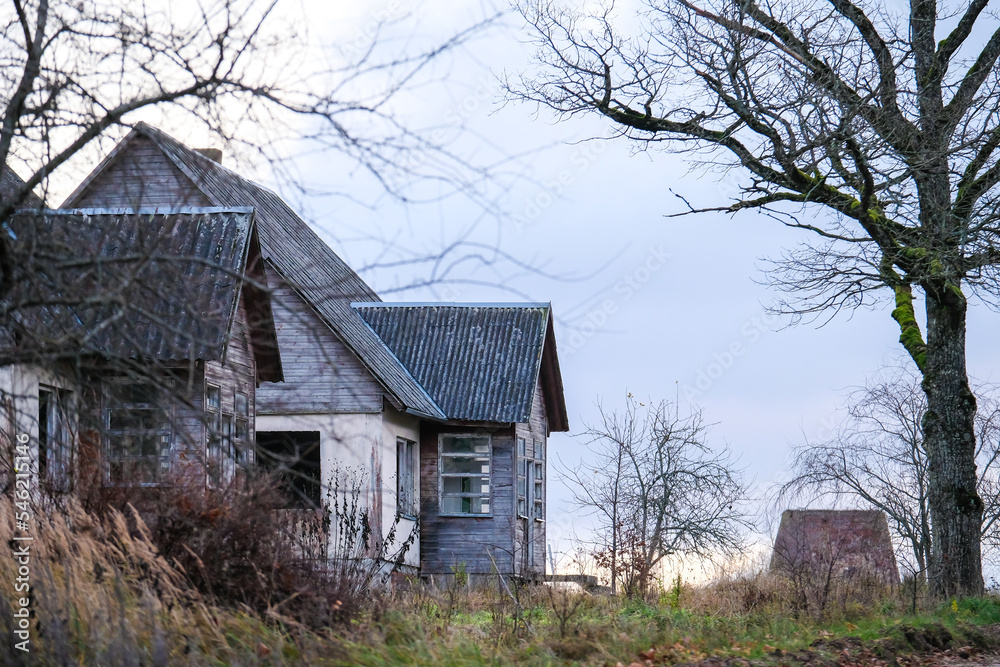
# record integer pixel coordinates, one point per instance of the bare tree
(885, 119)
(657, 489)
(878, 458)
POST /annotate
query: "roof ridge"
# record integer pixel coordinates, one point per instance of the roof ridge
(451, 304)
(297, 250)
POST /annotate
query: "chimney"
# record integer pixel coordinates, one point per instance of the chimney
(213, 154)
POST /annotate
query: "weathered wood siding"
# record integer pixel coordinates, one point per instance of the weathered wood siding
(322, 375)
(141, 177)
(238, 371)
(535, 433)
(447, 542)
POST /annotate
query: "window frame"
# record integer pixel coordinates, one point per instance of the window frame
(538, 481)
(442, 475)
(162, 404)
(407, 490)
(242, 442)
(56, 437)
(521, 474)
(220, 431)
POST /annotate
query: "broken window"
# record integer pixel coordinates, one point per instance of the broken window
(294, 456)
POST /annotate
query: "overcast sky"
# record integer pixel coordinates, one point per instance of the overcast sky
(659, 307)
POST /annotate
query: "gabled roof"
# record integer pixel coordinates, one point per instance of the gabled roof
(298, 255)
(161, 285)
(479, 362)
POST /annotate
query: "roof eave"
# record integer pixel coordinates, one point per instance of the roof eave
(551, 380)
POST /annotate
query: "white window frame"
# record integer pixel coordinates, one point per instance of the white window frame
(442, 455)
(406, 478)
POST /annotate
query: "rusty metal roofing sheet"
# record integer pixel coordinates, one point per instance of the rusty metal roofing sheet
(303, 259)
(149, 284)
(479, 362)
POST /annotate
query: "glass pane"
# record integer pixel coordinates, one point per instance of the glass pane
(460, 505)
(538, 511)
(540, 450)
(520, 447)
(538, 471)
(242, 429)
(212, 398)
(520, 486)
(116, 473)
(521, 507)
(477, 466)
(148, 445)
(465, 484)
(242, 404)
(465, 445)
(116, 446)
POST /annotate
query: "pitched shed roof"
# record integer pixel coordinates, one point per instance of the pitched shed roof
(844, 540)
(149, 284)
(298, 254)
(479, 362)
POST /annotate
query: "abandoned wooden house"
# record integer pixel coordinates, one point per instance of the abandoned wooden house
(142, 343)
(440, 411)
(845, 543)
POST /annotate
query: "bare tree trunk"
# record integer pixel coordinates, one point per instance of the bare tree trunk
(949, 435)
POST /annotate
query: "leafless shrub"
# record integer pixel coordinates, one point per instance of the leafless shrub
(657, 490)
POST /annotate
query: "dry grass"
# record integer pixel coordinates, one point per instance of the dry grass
(101, 594)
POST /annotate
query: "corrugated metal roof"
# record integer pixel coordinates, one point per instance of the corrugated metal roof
(478, 362)
(302, 258)
(151, 284)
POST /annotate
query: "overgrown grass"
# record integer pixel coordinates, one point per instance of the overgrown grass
(103, 595)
